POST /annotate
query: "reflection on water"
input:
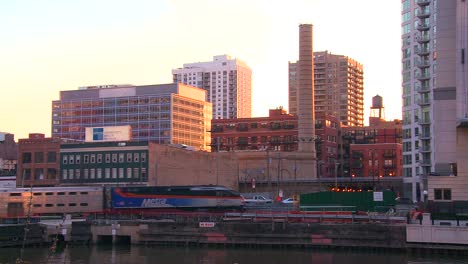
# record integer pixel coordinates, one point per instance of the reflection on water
(162, 255)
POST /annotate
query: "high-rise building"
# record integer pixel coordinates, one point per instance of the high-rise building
(338, 86)
(432, 63)
(165, 113)
(228, 83)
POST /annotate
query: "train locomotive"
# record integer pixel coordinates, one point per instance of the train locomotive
(21, 202)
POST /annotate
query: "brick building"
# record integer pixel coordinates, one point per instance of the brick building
(38, 162)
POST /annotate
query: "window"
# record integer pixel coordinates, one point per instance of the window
(443, 194)
(121, 172)
(83, 193)
(107, 173)
(93, 158)
(60, 205)
(107, 158)
(51, 157)
(92, 173)
(86, 159)
(129, 172)
(99, 158)
(78, 159)
(70, 174)
(114, 158)
(38, 157)
(83, 204)
(121, 157)
(27, 157)
(64, 174)
(15, 194)
(136, 157)
(114, 173)
(143, 157)
(61, 193)
(129, 157)
(49, 193)
(71, 159)
(99, 173)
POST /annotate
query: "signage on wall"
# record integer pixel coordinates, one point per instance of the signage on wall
(110, 133)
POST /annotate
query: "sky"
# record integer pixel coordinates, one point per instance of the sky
(49, 46)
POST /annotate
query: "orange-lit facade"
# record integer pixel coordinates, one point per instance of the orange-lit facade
(277, 132)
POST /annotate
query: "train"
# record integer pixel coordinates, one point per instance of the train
(39, 201)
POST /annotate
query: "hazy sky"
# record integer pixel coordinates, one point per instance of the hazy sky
(51, 45)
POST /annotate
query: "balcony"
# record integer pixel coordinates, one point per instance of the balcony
(425, 162)
(423, 39)
(422, 51)
(422, 76)
(424, 136)
(425, 149)
(424, 121)
(423, 101)
(423, 13)
(423, 27)
(423, 89)
(423, 2)
(423, 64)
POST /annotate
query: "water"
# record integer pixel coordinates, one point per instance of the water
(192, 255)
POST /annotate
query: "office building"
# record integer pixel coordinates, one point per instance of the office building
(338, 87)
(228, 83)
(434, 90)
(165, 113)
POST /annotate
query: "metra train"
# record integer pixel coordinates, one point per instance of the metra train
(81, 200)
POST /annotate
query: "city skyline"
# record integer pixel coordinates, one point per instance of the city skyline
(52, 46)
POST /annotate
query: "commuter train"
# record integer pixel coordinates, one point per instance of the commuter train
(21, 202)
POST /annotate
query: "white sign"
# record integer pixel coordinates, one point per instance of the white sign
(109, 133)
(207, 224)
(378, 196)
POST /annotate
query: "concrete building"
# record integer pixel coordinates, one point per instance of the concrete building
(165, 113)
(228, 83)
(338, 87)
(434, 92)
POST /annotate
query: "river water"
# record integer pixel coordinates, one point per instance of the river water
(193, 255)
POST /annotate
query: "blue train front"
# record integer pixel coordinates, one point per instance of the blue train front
(203, 196)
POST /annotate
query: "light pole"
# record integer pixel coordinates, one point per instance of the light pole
(336, 174)
(319, 174)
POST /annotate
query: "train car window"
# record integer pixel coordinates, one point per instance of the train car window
(49, 205)
(15, 194)
(37, 194)
(83, 192)
(37, 205)
(83, 204)
(60, 205)
(61, 193)
(49, 193)
(72, 204)
(72, 193)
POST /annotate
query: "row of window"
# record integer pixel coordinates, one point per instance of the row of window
(106, 173)
(39, 157)
(98, 158)
(51, 193)
(60, 205)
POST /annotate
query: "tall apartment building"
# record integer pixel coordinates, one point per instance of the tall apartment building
(432, 64)
(228, 83)
(165, 113)
(338, 86)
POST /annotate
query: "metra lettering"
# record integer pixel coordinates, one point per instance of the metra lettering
(153, 202)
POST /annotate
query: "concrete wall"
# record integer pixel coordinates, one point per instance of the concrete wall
(428, 233)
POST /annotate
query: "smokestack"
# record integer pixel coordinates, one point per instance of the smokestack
(305, 91)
